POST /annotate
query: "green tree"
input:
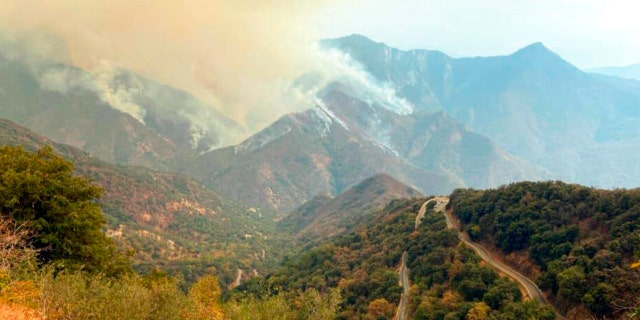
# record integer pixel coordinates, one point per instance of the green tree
(572, 283)
(502, 292)
(40, 190)
(286, 305)
(472, 289)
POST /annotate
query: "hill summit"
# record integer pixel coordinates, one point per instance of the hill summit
(323, 217)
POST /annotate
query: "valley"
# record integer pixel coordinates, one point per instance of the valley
(209, 160)
(167, 221)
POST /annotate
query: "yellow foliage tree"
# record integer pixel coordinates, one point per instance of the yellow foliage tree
(480, 311)
(380, 309)
(18, 312)
(204, 298)
(450, 299)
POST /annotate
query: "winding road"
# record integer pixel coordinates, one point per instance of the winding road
(404, 283)
(528, 286)
(403, 272)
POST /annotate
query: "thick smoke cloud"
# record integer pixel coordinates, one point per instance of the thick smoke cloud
(238, 55)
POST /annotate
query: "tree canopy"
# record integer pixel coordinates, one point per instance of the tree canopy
(40, 190)
(580, 240)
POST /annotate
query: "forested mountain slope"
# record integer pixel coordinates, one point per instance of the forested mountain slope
(169, 221)
(578, 242)
(323, 217)
(447, 278)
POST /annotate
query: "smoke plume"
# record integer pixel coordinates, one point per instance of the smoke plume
(237, 55)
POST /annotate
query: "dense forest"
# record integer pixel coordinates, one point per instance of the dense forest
(578, 242)
(448, 281)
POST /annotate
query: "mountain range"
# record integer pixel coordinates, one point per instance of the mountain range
(532, 104)
(343, 140)
(329, 197)
(473, 122)
(627, 72)
(429, 120)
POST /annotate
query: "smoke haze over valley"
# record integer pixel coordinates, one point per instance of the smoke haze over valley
(236, 56)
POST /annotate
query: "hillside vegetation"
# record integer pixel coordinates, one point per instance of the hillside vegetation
(56, 263)
(166, 220)
(324, 217)
(578, 242)
(448, 281)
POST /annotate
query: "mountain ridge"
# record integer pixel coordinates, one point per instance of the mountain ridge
(531, 103)
(328, 157)
(323, 216)
(628, 72)
(343, 140)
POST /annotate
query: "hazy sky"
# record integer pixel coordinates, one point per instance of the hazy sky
(241, 55)
(585, 32)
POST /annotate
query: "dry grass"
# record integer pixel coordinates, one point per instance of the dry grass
(18, 312)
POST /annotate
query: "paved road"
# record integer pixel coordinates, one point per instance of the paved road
(404, 283)
(441, 203)
(401, 313)
(421, 212)
(530, 288)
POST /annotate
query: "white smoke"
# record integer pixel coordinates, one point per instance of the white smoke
(119, 97)
(101, 81)
(63, 80)
(333, 65)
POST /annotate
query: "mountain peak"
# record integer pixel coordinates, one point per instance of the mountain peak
(353, 40)
(537, 44)
(323, 216)
(538, 56)
(381, 180)
(357, 37)
(536, 48)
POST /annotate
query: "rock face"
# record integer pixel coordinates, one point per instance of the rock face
(532, 104)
